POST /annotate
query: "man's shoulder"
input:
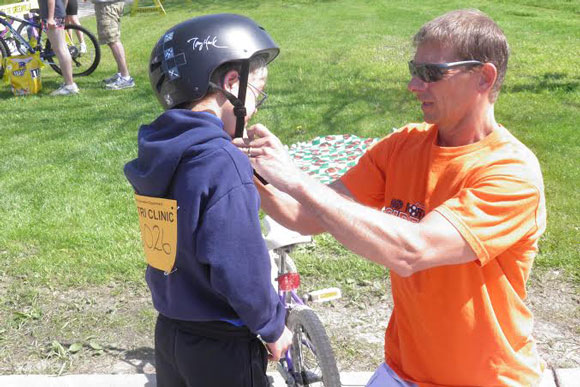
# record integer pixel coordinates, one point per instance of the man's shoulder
(509, 156)
(412, 132)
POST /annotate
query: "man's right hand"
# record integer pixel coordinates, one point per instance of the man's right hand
(280, 346)
(50, 24)
(269, 158)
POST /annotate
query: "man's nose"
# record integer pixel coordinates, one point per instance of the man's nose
(416, 85)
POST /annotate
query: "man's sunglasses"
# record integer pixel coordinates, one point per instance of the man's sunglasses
(433, 72)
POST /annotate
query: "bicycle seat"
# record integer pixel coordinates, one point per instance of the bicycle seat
(279, 236)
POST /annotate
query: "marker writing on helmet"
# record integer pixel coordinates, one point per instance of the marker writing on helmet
(199, 45)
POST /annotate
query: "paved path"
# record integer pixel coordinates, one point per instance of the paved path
(564, 378)
(86, 8)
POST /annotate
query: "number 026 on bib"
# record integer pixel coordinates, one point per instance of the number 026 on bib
(158, 224)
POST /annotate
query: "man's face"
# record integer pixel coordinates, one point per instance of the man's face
(449, 101)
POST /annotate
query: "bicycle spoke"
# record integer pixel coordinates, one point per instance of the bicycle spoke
(311, 374)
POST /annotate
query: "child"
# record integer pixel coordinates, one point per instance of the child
(216, 297)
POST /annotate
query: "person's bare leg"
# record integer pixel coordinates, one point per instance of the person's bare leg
(74, 19)
(58, 43)
(119, 54)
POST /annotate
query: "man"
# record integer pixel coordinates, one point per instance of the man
(108, 14)
(454, 207)
(52, 14)
(216, 296)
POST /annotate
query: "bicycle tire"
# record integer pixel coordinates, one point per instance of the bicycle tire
(21, 30)
(310, 340)
(3, 55)
(83, 63)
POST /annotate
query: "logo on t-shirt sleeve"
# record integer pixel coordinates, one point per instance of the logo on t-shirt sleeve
(412, 212)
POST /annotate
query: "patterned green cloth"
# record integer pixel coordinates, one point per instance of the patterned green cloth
(328, 158)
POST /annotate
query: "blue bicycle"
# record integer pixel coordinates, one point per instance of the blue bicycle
(28, 38)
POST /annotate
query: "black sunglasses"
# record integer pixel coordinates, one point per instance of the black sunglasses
(433, 72)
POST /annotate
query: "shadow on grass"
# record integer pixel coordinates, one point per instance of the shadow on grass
(546, 82)
(340, 106)
(139, 357)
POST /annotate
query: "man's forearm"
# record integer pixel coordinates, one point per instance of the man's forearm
(402, 246)
(287, 211)
(379, 237)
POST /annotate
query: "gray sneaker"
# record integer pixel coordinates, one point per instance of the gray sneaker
(120, 83)
(112, 79)
(66, 90)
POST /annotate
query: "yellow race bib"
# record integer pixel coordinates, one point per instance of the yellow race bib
(158, 224)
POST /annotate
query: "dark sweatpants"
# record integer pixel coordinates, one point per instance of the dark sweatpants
(208, 354)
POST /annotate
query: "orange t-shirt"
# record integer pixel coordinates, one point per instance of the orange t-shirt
(465, 324)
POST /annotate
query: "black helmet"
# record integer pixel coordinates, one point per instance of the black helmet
(184, 59)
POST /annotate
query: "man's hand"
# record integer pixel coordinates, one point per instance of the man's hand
(269, 158)
(280, 346)
(50, 24)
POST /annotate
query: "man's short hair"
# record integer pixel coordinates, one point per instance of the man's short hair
(473, 36)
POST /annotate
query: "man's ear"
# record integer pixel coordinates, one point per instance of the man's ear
(488, 77)
(231, 80)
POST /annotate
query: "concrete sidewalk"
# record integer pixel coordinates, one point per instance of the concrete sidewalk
(569, 377)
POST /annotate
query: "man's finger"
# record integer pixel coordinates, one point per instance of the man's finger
(257, 143)
(259, 130)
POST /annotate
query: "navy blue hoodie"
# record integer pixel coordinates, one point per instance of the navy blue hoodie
(222, 267)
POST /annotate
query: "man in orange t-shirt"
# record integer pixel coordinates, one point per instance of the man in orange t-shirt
(454, 207)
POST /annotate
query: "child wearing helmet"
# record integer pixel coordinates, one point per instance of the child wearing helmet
(208, 266)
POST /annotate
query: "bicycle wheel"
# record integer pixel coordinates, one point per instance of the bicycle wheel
(23, 31)
(84, 61)
(312, 355)
(3, 54)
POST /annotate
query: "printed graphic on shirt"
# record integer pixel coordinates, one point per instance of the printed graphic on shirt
(158, 224)
(412, 212)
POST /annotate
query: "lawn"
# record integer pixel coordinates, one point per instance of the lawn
(68, 219)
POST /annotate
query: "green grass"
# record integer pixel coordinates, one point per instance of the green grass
(67, 212)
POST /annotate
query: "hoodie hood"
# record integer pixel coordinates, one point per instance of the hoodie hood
(163, 143)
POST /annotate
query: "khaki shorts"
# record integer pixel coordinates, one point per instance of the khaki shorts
(109, 21)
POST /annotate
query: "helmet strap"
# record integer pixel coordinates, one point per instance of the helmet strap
(239, 103)
(240, 110)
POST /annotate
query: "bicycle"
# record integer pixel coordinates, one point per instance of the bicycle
(84, 59)
(310, 360)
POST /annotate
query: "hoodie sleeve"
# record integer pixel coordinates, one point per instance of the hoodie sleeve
(230, 241)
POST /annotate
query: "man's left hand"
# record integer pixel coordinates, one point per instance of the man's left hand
(269, 157)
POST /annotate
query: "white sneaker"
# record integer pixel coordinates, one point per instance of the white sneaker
(120, 83)
(66, 90)
(83, 48)
(112, 79)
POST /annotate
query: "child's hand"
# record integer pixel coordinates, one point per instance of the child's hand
(278, 348)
